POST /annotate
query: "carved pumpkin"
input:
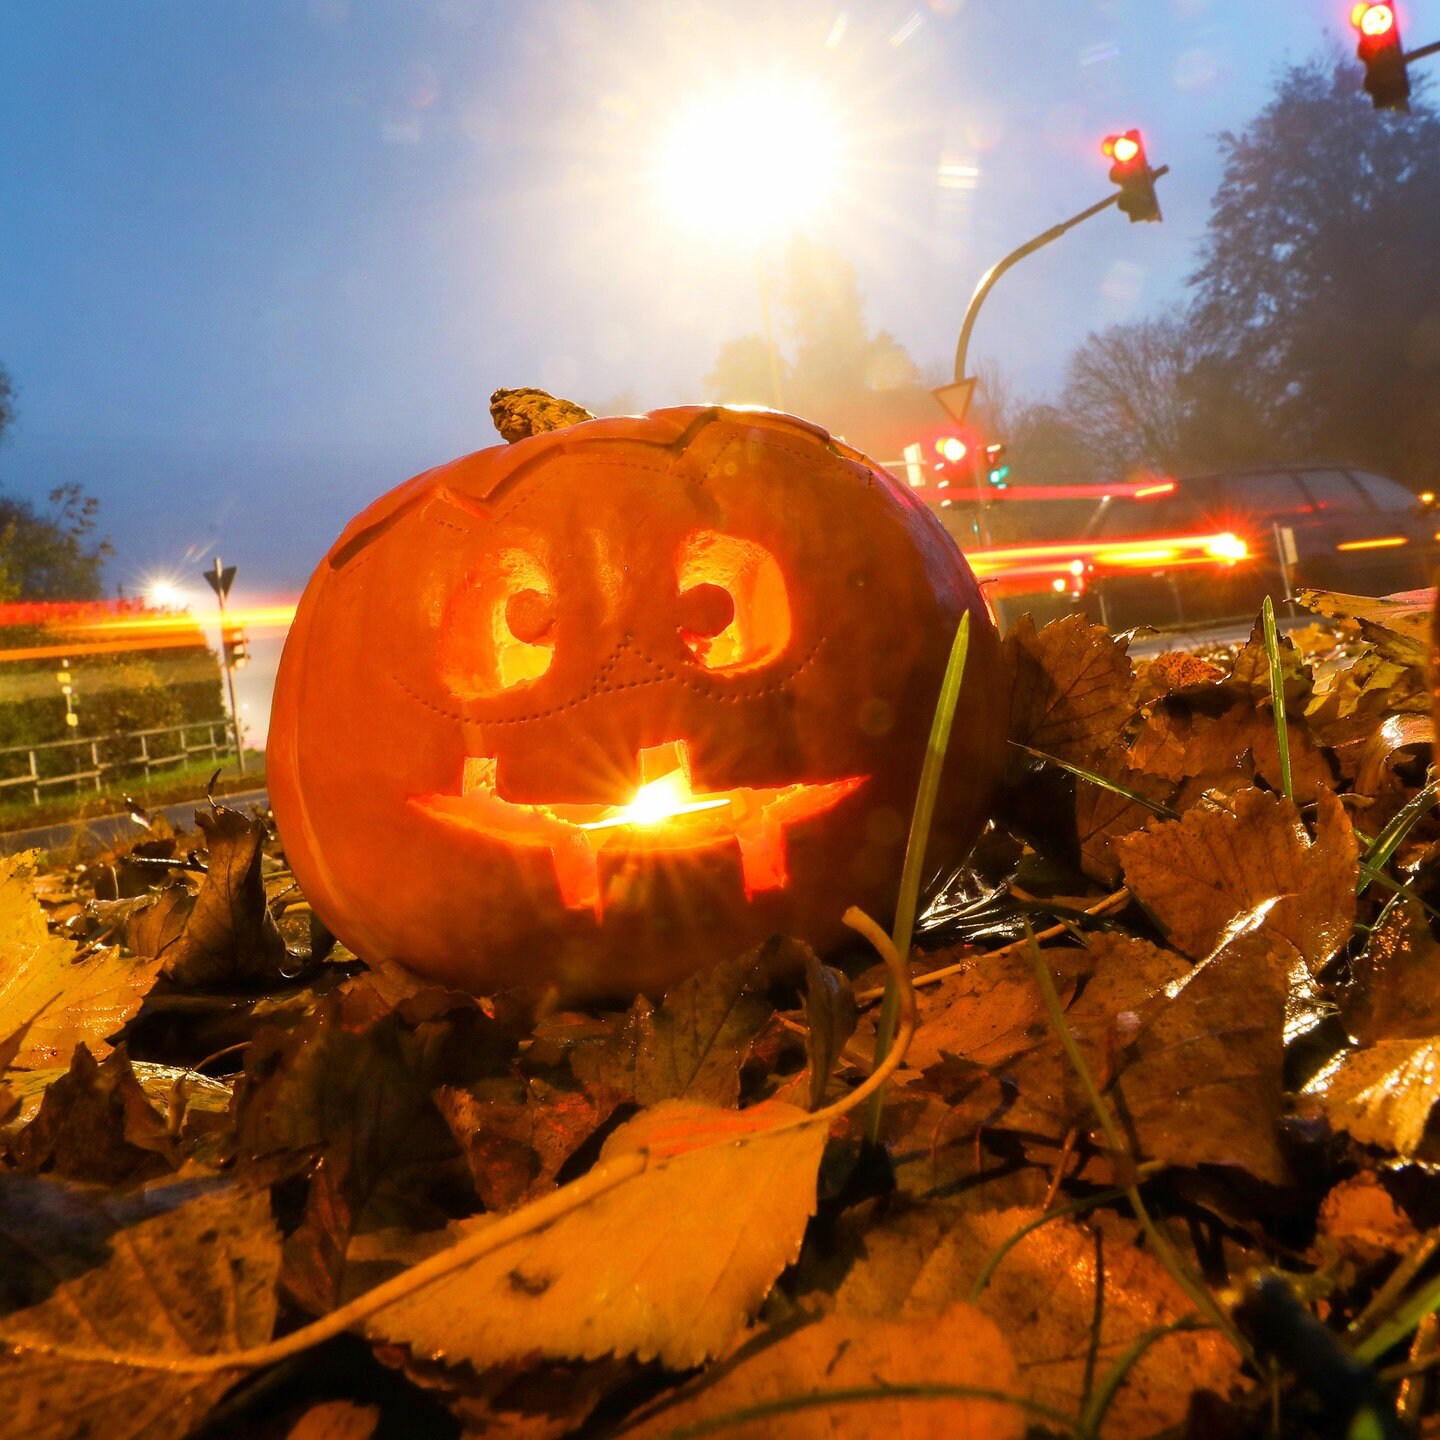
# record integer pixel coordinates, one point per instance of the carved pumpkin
(604, 706)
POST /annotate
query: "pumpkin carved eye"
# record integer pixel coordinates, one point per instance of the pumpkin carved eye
(734, 611)
(498, 631)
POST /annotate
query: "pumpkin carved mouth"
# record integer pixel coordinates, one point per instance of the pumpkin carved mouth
(665, 815)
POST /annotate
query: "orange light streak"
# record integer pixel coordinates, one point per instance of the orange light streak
(1054, 557)
(959, 491)
(1385, 542)
(255, 617)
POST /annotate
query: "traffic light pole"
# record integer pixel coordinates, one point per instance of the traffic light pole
(988, 279)
(219, 581)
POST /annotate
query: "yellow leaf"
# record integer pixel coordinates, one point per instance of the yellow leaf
(670, 1265)
(39, 976)
(1383, 1094)
(959, 1347)
(197, 1277)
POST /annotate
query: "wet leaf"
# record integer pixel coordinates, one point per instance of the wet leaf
(1250, 670)
(95, 1123)
(229, 936)
(69, 1000)
(670, 1265)
(516, 1135)
(1397, 625)
(336, 1420)
(356, 1092)
(1071, 687)
(1383, 1094)
(1181, 745)
(1217, 873)
(1396, 980)
(1044, 1299)
(1190, 1060)
(1102, 816)
(990, 1011)
(959, 1346)
(830, 1017)
(181, 1271)
(693, 1046)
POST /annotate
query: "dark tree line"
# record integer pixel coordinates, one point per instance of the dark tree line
(1313, 326)
(54, 556)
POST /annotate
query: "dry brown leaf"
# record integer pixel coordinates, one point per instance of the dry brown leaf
(336, 1420)
(959, 1346)
(1043, 1297)
(1382, 1095)
(1397, 625)
(1071, 686)
(1191, 1059)
(670, 1265)
(1180, 745)
(229, 936)
(41, 979)
(1361, 1221)
(990, 1012)
(1214, 874)
(1102, 816)
(1396, 989)
(693, 1046)
(184, 1271)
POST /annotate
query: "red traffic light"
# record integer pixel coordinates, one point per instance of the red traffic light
(951, 449)
(1373, 20)
(1131, 172)
(1121, 148)
(1383, 55)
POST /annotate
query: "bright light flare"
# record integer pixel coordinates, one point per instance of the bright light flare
(1121, 148)
(754, 160)
(950, 449)
(1372, 20)
(658, 801)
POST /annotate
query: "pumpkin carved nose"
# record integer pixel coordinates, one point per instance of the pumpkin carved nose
(706, 610)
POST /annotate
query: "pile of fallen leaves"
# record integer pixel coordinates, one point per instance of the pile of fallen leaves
(1158, 1158)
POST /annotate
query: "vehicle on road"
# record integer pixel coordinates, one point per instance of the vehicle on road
(1327, 527)
(1210, 547)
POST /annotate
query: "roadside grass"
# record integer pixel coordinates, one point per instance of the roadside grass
(172, 786)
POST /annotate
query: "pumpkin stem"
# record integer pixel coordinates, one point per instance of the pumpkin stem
(519, 414)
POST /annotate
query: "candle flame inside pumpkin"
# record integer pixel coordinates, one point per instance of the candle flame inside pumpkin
(664, 815)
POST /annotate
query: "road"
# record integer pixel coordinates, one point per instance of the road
(110, 827)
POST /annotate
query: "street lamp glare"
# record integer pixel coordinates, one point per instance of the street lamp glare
(751, 162)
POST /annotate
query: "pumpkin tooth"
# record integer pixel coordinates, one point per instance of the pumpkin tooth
(762, 854)
(479, 774)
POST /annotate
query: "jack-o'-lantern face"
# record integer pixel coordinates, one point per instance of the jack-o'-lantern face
(602, 707)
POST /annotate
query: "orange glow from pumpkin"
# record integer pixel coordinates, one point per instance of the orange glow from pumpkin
(665, 815)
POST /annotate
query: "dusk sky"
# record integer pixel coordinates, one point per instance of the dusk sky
(261, 261)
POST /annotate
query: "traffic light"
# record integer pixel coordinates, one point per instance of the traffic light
(997, 472)
(235, 646)
(1383, 56)
(951, 449)
(1131, 172)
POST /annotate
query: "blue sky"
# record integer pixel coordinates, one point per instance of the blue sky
(260, 261)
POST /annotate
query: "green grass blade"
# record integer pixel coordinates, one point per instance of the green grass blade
(913, 869)
(1103, 781)
(1389, 840)
(1277, 696)
(1098, 1405)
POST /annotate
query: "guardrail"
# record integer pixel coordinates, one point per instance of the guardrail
(126, 754)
